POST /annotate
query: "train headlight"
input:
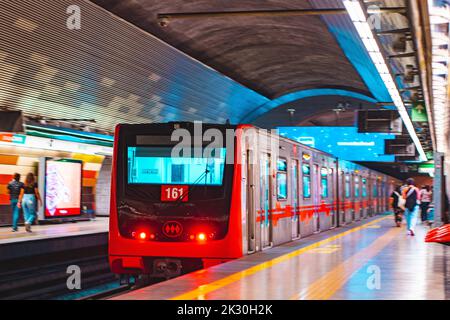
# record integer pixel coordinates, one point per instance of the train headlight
(201, 237)
(142, 235)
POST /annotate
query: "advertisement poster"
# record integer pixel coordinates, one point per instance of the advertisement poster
(62, 188)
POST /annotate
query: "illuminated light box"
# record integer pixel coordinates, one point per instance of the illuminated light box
(343, 142)
(60, 186)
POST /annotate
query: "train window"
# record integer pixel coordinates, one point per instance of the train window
(356, 187)
(306, 170)
(347, 187)
(157, 165)
(375, 189)
(364, 188)
(282, 165)
(177, 173)
(282, 191)
(282, 186)
(324, 182)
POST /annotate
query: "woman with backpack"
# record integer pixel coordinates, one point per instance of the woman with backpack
(397, 205)
(411, 194)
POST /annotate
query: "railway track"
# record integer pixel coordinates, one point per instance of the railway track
(102, 295)
(45, 276)
(112, 292)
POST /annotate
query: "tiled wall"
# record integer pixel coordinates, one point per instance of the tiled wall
(103, 188)
(26, 160)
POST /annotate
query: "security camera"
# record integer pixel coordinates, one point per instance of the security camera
(164, 22)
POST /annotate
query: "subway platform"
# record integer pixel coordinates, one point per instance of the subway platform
(34, 265)
(49, 231)
(367, 260)
(52, 239)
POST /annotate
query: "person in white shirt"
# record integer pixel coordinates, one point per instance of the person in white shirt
(426, 196)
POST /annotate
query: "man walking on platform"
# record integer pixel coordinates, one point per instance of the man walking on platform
(14, 188)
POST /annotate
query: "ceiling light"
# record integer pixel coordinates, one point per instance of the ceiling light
(356, 13)
(439, 20)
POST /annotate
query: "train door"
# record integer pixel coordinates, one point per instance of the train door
(364, 195)
(342, 198)
(306, 210)
(369, 196)
(375, 196)
(333, 204)
(325, 211)
(266, 200)
(251, 201)
(316, 198)
(352, 197)
(384, 196)
(357, 194)
(295, 200)
(348, 199)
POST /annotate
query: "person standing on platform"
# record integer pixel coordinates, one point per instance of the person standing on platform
(411, 194)
(14, 189)
(27, 200)
(425, 199)
(396, 198)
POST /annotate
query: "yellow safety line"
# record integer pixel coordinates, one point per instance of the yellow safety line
(202, 290)
(327, 285)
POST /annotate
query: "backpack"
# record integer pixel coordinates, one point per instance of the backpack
(411, 199)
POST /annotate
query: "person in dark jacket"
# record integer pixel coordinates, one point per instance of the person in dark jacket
(14, 188)
(396, 195)
(411, 194)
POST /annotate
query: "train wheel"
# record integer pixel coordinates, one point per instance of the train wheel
(143, 280)
(127, 279)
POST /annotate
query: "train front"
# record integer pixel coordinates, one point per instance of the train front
(173, 192)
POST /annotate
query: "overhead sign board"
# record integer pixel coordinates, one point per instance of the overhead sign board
(419, 112)
(379, 121)
(21, 140)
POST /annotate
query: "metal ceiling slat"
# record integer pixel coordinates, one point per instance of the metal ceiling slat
(117, 51)
(67, 46)
(101, 97)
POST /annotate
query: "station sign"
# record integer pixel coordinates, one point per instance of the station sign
(12, 138)
(419, 112)
(52, 144)
(426, 168)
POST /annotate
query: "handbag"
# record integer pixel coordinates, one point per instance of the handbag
(401, 202)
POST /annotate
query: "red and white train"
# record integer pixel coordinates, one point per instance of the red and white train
(172, 214)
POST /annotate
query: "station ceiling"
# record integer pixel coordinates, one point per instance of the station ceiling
(123, 66)
(271, 55)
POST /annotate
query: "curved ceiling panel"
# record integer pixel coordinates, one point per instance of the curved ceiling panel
(272, 55)
(329, 110)
(109, 70)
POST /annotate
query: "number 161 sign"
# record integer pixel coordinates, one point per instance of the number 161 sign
(174, 193)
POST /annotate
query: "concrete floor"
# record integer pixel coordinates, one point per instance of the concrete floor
(366, 260)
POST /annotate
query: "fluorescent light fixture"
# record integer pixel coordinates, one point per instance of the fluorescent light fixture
(358, 17)
(439, 20)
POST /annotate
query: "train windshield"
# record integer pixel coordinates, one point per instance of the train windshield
(160, 165)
